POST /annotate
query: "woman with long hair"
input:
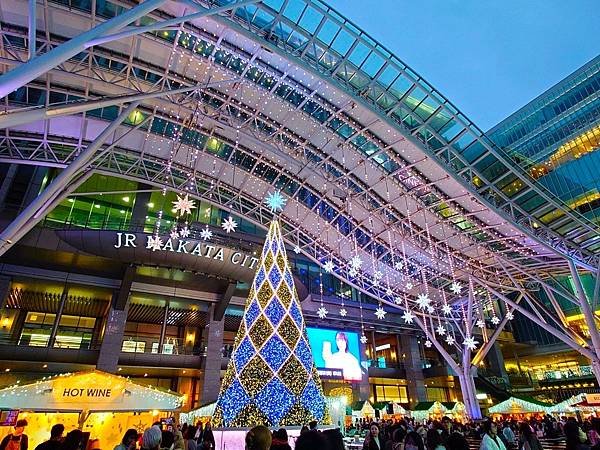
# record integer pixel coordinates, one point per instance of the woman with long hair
(528, 440)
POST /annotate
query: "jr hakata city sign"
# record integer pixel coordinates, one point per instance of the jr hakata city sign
(189, 254)
(201, 249)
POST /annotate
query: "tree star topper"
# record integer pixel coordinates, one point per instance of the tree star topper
(275, 201)
(183, 205)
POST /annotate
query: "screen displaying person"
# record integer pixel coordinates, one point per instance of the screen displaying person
(342, 359)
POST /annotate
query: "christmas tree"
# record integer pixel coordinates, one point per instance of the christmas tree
(271, 378)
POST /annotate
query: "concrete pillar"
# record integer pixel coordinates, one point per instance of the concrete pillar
(414, 371)
(496, 360)
(163, 328)
(112, 342)
(35, 185)
(140, 208)
(4, 290)
(61, 308)
(7, 183)
(212, 362)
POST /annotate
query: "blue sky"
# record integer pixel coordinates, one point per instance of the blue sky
(489, 57)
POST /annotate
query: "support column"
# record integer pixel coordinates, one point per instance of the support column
(61, 307)
(496, 360)
(35, 185)
(414, 371)
(364, 389)
(7, 183)
(112, 342)
(4, 290)
(140, 208)
(590, 320)
(163, 328)
(212, 362)
(469, 393)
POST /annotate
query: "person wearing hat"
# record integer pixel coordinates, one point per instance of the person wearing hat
(17, 440)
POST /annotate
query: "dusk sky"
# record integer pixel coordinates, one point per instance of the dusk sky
(488, 57)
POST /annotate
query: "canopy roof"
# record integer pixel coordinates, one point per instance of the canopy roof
(520, 405)
(87, 391)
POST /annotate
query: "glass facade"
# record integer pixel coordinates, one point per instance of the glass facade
(555, 138)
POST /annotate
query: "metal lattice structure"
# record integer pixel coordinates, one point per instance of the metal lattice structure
(379, 164)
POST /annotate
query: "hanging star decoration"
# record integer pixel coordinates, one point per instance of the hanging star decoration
(174, 234)
(380, 313)
(275, 201)
(343, 312)
(446, 310)
(495, 320)
(440, 330)
(363, 339)
(480, 323)
(375, 282)
(510, 315)
(183, 205)
(329, 266)
(470, 343)
(154, 243)
(297, 250)
(356, 262)
(378, 275)
(184, 232)
(398, 300)
(428, 343)
(450, 340)
(423, 301)
(229, 225)
(322, 312)
(430, 309)
(456, 287)
(206, 234)
(353, 272)
(409, 285)
(388, 291)
(398, 265)
(408, 316)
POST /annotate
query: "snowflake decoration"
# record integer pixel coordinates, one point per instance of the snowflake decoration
(440, 330)
(456, 287)
(430, 309)
(297, 250)
(380, 313)
(389, 291)
(428, 343)
(275, 201)
(378, 275)
(229, 225)
(495, 320)
(183, 205)
(423, 301)
(154, 243)
(510, 315)
(206, 234)
(408, 317)
(343, 312)
(375, 282)
(398, 300)
(409, 285)
(184, 232)
(398, 265)
(356, 262)
(322, 312)
(328, 266)
(174, 234)
(446, 309)
(363, 339)
(450, 340)
(480, 323)
(470, 343)
(353, 272)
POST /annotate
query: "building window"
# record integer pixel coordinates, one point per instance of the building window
(391, 393)
(73, 331)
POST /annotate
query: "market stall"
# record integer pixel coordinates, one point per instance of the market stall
(100, 403)
(520, 407)
(582, 404)
(363, 410)
(428, 410)
(455, 410)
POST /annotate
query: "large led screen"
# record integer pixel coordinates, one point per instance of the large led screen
(336, 349)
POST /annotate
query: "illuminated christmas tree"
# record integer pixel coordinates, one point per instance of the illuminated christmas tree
(271, 378)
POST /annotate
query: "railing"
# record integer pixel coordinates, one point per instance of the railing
(11, 341)
(150, 345)
(379, 363)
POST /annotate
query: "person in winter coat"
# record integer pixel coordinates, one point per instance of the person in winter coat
(491, 440)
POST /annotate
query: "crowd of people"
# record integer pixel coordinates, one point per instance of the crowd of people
(408, 434)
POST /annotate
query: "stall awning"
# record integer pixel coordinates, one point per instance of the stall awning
(519, 405)
(87, 391)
